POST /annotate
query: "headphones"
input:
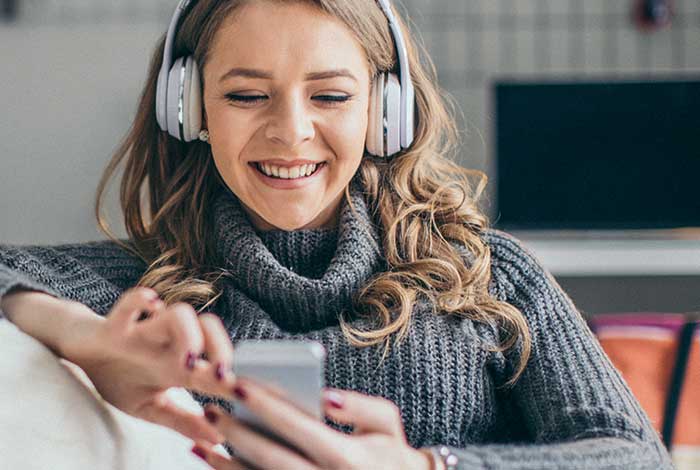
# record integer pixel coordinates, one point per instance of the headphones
(392, 99)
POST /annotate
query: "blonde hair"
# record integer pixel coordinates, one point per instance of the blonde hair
(423, 201)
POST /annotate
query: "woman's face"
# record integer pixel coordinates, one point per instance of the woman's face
(286, 93)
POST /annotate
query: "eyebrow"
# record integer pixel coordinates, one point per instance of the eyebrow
(254, 73)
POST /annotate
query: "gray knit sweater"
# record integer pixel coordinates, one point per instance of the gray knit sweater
(570, 408)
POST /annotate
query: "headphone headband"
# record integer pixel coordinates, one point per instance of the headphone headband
(407, 91)
(161, 98)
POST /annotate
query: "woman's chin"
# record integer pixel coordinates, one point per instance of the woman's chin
(289, 225)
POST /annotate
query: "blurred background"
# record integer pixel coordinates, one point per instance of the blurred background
(584, 115)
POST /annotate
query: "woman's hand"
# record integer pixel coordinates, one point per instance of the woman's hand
(141, 349)
(378, 440)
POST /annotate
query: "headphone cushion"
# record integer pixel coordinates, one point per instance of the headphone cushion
(374, 141)
(161, 100)
(173, 107)
(384, 84)
(192, 101)
(393, 114)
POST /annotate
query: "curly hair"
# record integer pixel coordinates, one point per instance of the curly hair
(424, 202)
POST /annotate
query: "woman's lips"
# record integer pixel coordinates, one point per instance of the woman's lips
(280, 183)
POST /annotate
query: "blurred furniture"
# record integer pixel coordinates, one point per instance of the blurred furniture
(590, 256)
(658, 355)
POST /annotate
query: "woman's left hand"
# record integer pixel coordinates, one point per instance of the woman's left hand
(378, 440)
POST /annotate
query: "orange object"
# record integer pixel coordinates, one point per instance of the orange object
(645, 349)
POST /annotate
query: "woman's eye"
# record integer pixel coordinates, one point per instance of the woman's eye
(245, 98)
(330, 100)
(333, 98)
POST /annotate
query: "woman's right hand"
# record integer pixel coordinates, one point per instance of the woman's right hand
(133, 361)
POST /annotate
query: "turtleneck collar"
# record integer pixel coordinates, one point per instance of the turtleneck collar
(303, 279)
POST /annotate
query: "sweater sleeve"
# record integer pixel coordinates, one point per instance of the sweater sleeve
(92, 273)
(575, 408)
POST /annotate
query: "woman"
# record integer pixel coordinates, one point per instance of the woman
(448, 344)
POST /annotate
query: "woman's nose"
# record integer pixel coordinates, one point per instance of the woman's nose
(290, 123)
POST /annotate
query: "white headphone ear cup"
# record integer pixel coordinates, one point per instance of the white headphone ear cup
(393, 114)
(191, 101)
(173, 106)
(375, 127)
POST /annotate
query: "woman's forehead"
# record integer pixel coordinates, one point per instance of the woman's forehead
(272, 36)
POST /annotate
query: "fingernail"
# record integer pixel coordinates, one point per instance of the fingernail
(219, 372)
(199, 452)
(240, 393)
(211, 416)
(189, 362)
(334, 399)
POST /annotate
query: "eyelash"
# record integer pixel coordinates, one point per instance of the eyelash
(330, 100)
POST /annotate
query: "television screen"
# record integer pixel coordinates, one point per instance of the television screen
(587, 155)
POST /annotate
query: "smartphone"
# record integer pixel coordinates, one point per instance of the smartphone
(292, 368)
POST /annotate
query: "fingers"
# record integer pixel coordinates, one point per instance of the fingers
(253, 447)
(195, 426)
(214, 376)
(173, 337)
(367, 414)
(176, 338)
(132, 304)
(308, 434)
(181, 322)
(217, 342)
(214, 458)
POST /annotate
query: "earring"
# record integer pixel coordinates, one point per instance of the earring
(204, 135)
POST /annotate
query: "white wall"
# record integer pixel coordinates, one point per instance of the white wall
(68, 95)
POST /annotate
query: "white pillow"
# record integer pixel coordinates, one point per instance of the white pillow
(52, 418)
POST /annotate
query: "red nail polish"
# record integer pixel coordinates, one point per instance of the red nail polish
(219, 372)
(189, 362)
(199, 453)
(334, 399)
(239, 392)
(211, 416)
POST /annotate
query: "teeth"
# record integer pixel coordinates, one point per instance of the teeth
(287, 173)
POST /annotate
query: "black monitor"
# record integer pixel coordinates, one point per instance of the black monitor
(597, 155)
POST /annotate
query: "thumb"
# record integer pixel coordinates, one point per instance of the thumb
(165, 411)
(368, 414)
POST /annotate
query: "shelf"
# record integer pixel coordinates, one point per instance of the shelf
(616, 257)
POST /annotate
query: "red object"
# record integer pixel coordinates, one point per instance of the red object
(199, 453)
(240, 393)
(644, 347)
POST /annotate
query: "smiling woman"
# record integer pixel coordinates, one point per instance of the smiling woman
(297, 102)
(290, 171)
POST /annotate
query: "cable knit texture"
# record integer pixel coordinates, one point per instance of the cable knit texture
(570, 409)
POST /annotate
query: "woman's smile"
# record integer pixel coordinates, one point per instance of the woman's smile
(288, 177)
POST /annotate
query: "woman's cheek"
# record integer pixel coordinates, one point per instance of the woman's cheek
(351, 134)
